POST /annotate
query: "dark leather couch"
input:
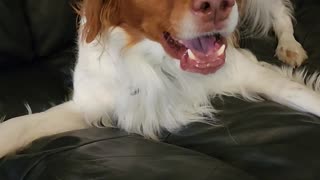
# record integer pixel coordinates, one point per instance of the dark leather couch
(255, 140)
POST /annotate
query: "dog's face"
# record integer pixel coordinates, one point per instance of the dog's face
(192, 31)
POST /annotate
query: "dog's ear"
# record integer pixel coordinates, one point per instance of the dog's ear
(241, 4)
(99, 15)
(235, 39)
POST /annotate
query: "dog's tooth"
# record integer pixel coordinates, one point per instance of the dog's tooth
(191, 55)
(221, 50)
(176, 43)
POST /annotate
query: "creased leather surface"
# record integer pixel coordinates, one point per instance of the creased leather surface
(111, 154)
(266, 140)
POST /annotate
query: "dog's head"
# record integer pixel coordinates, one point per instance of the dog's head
(192, 31)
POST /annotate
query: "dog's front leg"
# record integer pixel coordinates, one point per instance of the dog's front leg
(246, 76)
(18, 132)
(289, 50)
(276, 87)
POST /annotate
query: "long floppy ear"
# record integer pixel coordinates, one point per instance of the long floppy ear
(235, 39)
(241, 4)
(99, 15)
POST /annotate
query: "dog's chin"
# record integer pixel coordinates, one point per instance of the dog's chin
(204, 54)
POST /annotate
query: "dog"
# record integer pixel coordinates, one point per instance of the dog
(152, 66)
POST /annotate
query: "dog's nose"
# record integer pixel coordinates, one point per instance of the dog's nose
(216, 10)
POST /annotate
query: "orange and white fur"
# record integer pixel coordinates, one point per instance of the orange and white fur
(128, 77)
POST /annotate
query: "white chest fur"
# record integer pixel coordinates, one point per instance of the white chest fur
(141, 87)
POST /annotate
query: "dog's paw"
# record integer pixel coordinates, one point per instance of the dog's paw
(291, 52)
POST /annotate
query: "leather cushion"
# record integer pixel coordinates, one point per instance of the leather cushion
(113, 155)
(52, 25)
(16, 40)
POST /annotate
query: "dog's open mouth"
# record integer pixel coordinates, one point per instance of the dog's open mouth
(204, 54)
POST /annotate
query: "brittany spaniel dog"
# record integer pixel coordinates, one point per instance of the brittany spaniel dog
(146, 66)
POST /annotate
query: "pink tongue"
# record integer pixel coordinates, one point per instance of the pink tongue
(202, 44)
(204, 48)
(203, 55)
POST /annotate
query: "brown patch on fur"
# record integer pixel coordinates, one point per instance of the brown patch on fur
(99, 15)
(291, 55)
(133, 35)
(235, 39)
(241, 4)
(140, 18)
